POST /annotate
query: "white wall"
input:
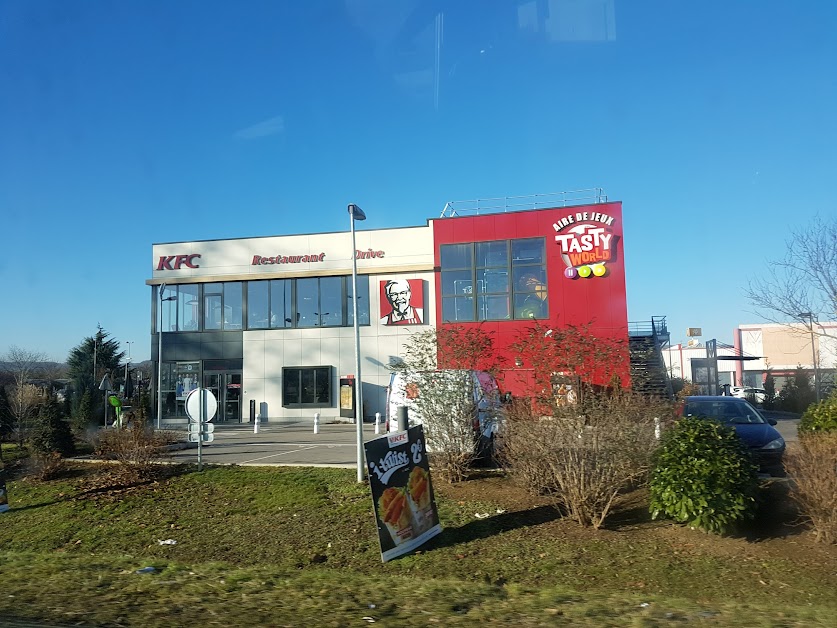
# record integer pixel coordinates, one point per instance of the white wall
(267, 351)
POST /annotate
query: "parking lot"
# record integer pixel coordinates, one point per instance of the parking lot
(296, 444)
(280, 444)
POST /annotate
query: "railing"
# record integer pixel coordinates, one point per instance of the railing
(656, 327)
(519, 203)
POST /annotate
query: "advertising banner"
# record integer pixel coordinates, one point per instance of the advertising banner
(402, 302)
(399, 476)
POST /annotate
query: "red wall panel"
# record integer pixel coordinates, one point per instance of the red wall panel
(598, 301)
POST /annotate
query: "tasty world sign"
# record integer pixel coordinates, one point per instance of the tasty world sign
(587, 243)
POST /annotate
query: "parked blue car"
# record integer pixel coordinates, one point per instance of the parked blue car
(757, 432)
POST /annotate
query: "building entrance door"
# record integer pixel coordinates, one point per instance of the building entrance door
(226, 386)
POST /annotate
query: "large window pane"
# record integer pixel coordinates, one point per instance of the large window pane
(362, 300)
(307, 303)
(493, 254)
(306, 386)
(457, 282)
(530, 306)
(457, 309)
(232, 305)
(290, 387)
(258, 304)
(493, 280)
(188, 307)
(280, 303)
(456, 256)
(530, 279)
(493, 308)
(529, 251)
(169, 308)
(212, 314)
(331, 301)
(308, 390)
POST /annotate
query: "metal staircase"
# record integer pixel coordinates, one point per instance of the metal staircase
(646, 341)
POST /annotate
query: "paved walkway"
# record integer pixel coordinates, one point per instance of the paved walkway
(292, 444)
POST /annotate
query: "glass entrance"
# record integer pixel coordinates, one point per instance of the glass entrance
(226, 386)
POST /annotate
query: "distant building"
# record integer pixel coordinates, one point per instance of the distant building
(781, 348)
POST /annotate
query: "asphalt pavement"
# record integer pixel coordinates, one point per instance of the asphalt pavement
(296, 444)
(280, 444)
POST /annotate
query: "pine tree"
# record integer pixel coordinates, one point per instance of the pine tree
(51, 432)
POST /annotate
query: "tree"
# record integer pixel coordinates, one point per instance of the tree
(6, 419)
(804, 281)
(51, 432)
(99, 352)
(445, 399)
(565, 362)
(23, 365)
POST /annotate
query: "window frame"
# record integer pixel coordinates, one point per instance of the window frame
(479, 295)
(299, 371)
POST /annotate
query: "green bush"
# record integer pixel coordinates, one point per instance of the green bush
(703, 475)
(820, 417)
(51, 433)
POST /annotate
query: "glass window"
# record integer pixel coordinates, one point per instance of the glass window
(188, 307)
(168, 305)
(457, 282)
(232, 305)
(530, 251)
(280, 303)
(493, 254)
(457, 309)
(331, 301)
(509, 277)
(258, 304)
(457, 255)
(493, 308)
(307, 303)
(212, 303)
(493, 280)
(306, 387)
(362, 301)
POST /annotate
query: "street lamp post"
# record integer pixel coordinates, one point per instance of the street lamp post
(162, 288)
(811, 318)
(127, 363)
(356, 213)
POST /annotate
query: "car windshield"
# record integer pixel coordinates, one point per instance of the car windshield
(726, 411)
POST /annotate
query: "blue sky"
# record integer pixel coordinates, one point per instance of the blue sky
(128, 123)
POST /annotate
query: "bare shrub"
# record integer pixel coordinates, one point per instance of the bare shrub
(47, 465)
(812, 465)
(445, 402)
(584, 455)
(136, 448)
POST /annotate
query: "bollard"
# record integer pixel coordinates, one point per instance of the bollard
(252, 411)
(377, 422)
(316, 422)
(403, 422)
(657, 428)
(256, 424)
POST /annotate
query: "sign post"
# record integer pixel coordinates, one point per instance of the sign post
(402, 494)
(201, 406)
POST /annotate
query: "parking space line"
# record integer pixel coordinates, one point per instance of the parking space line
(282, 454)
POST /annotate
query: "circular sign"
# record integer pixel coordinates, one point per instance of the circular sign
(197, 398)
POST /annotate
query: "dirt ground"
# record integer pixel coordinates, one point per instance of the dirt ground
(777, 531)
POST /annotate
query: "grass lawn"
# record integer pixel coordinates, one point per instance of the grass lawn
(291, 547)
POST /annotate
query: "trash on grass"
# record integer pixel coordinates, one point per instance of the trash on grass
(481, 515)
(147, 570)
(167, 542)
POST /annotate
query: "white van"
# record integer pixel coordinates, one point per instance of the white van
(483, 396)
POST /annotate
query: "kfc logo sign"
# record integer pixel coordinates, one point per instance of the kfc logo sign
(176, 262)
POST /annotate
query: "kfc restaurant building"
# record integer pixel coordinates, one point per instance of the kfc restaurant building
(270, 319)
